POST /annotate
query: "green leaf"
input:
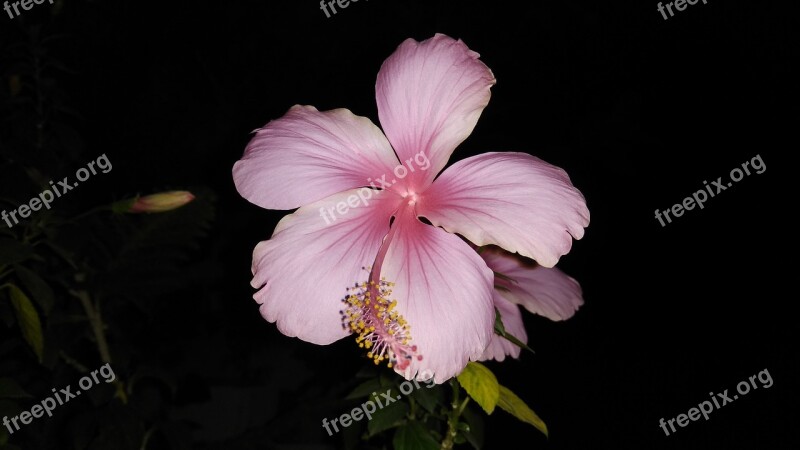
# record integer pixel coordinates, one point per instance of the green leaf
(512, 404)
(387, 417)
(28, 320)
(481, 384)
(474, 421)
(13, 251)
(500, 330)
(429, 398)
(38, 288)
(364, 389)
(475, 441)
(413, 436)
(10, 389)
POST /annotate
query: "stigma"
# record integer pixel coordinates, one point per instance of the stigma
(370, 314)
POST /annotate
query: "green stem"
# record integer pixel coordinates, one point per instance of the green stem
(412, 415)
(91, 211)
(147, 437)
(74, 363)
(93, 313)
(452, 418)
(98, 328)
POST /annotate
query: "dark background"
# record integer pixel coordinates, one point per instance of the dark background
(638, 110)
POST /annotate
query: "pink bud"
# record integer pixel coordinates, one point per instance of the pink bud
(161, 202)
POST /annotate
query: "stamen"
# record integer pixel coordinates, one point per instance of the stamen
(370, 314)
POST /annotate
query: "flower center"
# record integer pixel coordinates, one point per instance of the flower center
(410, 198)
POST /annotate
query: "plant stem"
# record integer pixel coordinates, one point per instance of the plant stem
(74, 363)
(452, 419)
(96, 319)
(93, 313)
(91, 211)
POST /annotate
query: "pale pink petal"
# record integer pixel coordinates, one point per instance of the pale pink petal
(430, 95)
(307, 155)
(444, 291)
(548, 292)
(307, 265)
(513, 200)
(511, 317)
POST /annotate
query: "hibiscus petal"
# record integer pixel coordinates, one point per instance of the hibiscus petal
(511, 317)
(444, 291)
(513, 200)
(309, 262)
(430, 95)
(548, 292)
(308, 155)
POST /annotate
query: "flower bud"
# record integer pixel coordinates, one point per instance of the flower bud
(156, 203)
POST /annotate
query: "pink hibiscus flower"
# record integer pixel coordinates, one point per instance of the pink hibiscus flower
(547, 292)
(416, 295)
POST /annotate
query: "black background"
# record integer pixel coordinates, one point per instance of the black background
(637, 109)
